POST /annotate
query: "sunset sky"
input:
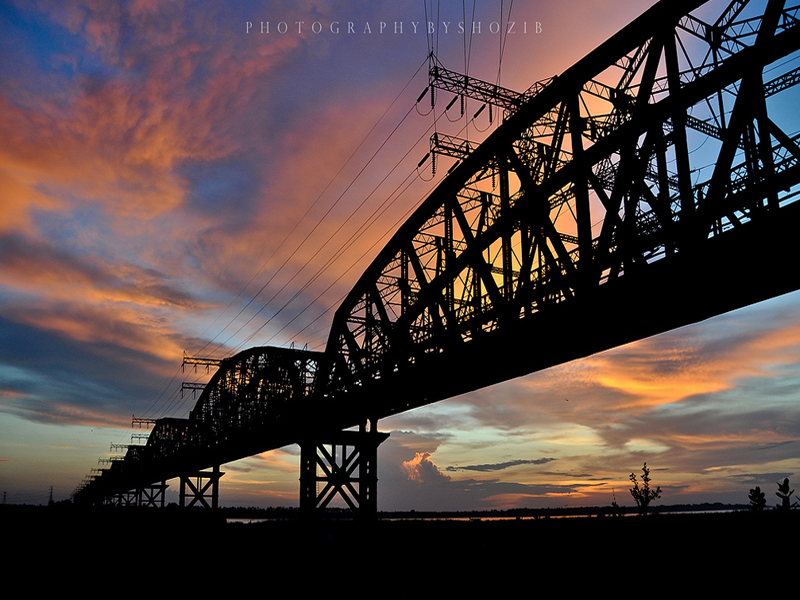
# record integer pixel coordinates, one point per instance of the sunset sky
(207, 176)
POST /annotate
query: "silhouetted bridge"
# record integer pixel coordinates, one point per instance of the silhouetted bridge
(583, 222)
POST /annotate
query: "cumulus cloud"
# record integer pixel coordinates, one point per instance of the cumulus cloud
(421, 469)
(409, 477)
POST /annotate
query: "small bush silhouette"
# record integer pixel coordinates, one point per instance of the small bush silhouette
(785, 495)
(758, 499)
(644, 495)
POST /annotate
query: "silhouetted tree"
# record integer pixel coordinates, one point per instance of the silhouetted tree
(644, 495)
(758, 499)
(785, 495)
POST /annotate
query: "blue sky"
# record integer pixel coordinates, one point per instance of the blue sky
(174, 182)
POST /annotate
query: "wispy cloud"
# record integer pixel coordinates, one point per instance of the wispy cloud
(499, 466)
(33, 267)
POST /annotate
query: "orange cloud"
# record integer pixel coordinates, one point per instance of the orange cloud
(422, 470)
(117, 326)
(57, 275)
(672, 368)
(67, 414)
(19, 197)
(115, 142)
(112, 146)
(277, 460)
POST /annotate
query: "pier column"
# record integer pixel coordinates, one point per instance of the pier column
(205, 488)
(343, 464)
(153, 495)
(126, 498)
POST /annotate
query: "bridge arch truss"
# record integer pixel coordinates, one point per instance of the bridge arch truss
(647, 187)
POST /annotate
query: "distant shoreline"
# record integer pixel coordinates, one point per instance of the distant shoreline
(242, 512)
(684, 540)
(524, 513)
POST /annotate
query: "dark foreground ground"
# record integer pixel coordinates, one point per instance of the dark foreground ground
(659, 548)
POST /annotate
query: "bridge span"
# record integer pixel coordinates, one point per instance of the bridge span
(581, 223)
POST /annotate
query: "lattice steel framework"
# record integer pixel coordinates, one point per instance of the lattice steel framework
(253, 403)
(649, 186)
(625, 197)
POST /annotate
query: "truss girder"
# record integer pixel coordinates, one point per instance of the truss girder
(648, 186)
(253, 403)
(587, 189)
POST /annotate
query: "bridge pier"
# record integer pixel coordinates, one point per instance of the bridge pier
(346, 464)
(205, 488)
(127, 498)
(153, 494)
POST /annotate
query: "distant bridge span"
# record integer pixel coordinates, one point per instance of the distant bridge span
(584, 221)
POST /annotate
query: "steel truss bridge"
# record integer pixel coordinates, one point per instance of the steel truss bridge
(586, 220)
